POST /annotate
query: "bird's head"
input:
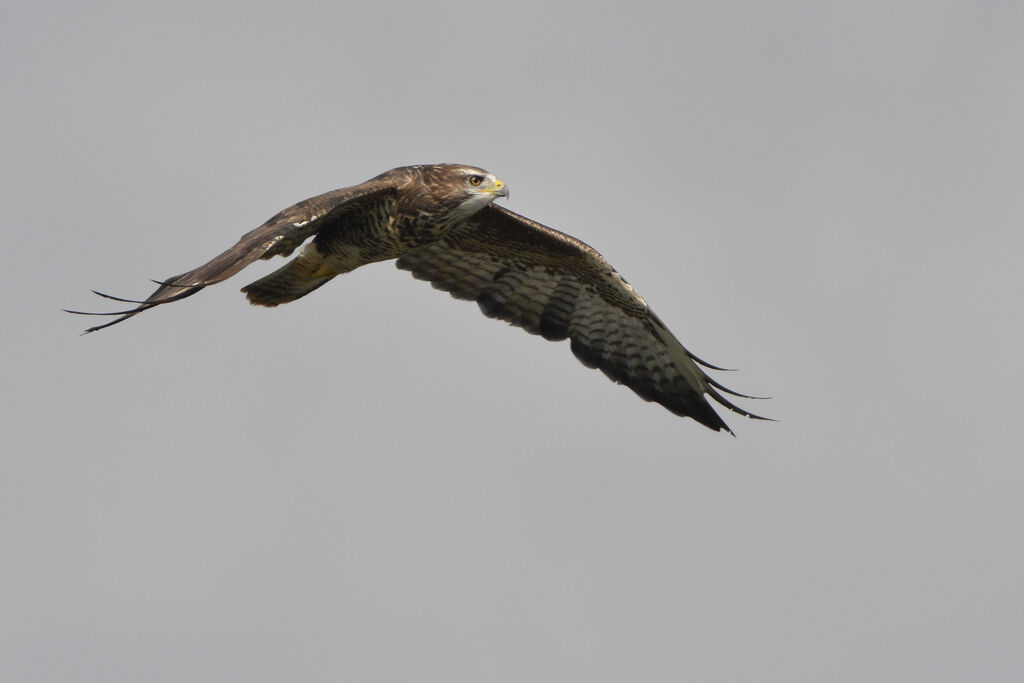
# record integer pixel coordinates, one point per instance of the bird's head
(477, 188)
(462, 190)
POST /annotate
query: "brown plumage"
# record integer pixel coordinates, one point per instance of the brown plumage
(439, 223)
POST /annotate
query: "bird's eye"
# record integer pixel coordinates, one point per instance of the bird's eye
(475, 180)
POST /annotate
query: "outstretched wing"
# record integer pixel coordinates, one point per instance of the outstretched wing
(556, 286)
(279, 236)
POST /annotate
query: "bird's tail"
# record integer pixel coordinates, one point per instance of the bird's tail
(294, 280)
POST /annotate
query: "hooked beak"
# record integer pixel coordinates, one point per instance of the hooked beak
(500, 188)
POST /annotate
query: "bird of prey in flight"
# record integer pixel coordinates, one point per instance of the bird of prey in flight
(439, 222)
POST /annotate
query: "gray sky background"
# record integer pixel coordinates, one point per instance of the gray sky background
(378, 483)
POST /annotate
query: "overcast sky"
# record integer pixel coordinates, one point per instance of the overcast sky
(377, 483)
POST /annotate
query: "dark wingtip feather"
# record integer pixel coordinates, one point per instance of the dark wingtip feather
(701, 411)
(706, 364)
(736, 409)
(727, 390)
(134, 310)
(112, 322)
(117, 298)
(168, 283)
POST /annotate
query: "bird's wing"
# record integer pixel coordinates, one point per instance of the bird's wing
(556, 286)
(279, 236)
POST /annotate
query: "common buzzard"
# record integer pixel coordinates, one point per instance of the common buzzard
(441, 225)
